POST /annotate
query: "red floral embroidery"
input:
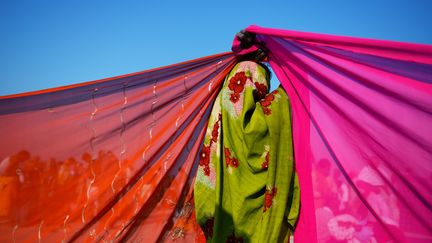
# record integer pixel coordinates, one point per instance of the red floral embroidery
(206, 170)
(227, 156)
(230, 161)
(266, 111)
(227, 152)
(234, 162)
(261, 90)
(234, 97)
(215, 132)
(205, 155)
(227, 161)
(266, 102)
(205, 152)
(264, 165)
(233, 239)
(205, 159)
(268, 200)
(237, 82)
(208, 228)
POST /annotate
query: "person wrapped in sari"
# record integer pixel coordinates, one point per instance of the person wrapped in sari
(246, 188)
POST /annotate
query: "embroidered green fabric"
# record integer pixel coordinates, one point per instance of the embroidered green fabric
(246, 189)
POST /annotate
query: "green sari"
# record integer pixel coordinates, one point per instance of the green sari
(246, 188)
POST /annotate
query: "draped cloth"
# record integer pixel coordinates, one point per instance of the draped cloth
(112, 159)
(362, 134)
(246, 189)
(115, 159)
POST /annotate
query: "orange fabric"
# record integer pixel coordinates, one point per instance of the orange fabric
(111, 159)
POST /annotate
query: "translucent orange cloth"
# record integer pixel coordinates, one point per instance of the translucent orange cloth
(114, 159)
(111, 159)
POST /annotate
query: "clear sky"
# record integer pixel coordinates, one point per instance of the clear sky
(46, 44)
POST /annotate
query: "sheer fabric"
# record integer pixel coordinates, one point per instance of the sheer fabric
(362, 134)
(114, 159)
(107, 160)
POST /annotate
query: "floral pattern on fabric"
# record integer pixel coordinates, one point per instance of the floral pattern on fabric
(240, 135)
(209, 151)
(266, 156)
(264, 165)
(236, 84)
(261, 91)
(215, 131)
(229, 159)
(267, 101)
(205, 159)
(269, 197)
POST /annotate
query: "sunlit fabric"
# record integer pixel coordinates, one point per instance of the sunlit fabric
(105, 160)
(115, 159)
(362, 127)
(246, 188)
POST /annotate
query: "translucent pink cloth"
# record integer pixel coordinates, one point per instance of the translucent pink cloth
(362, 126)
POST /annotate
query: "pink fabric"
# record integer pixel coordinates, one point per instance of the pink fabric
(362, 126)
(114, 159)
(236, 48)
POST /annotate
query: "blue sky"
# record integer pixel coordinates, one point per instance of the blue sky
(46, 44)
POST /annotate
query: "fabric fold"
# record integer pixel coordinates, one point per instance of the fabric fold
(246, 189)
(116, 159)
(362, 140)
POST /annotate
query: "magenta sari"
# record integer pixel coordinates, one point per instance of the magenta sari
(362, 115)
(115, 159)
